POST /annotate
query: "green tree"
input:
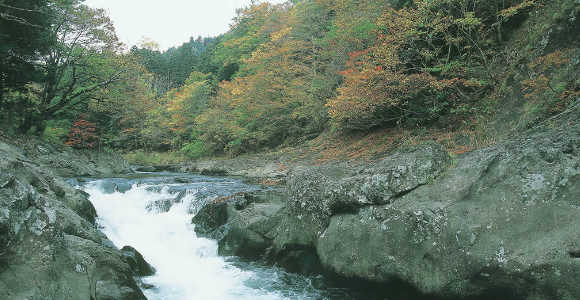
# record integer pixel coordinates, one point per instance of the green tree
(24, 27)
(82, 61)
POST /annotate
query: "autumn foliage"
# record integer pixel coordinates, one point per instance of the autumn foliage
(286, 73)
(429, 61)
(82, 135)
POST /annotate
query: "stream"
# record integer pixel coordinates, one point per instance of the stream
(153, 212)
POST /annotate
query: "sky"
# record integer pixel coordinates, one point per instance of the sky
(170, 22)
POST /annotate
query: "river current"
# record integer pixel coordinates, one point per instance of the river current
(153, 212)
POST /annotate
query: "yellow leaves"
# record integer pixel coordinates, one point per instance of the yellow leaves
(514, 10)
(237, 91)
(276, 36)
(469, 20)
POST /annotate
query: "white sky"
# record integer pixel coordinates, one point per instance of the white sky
(170, 22)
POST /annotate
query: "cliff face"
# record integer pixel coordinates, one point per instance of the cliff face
(50, 247)
(502, 221)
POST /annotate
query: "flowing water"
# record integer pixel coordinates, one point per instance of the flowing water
(133, 211)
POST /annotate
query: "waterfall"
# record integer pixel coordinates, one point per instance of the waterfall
(187, 266)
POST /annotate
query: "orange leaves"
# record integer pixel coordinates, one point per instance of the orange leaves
(374, 80)
(540, 74)
(554, 59)
(551, 84)
(419, 69)
(356, 54)
(82, 134)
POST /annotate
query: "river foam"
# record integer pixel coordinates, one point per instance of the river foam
(188, 267)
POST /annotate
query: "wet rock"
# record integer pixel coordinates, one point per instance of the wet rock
(136, 261)
(213, 172)
(247, 230)
(182, 180)
(145, 169)
(50, 247)
(254, 225)
(180, 196)
(209, 220)
(160, 206)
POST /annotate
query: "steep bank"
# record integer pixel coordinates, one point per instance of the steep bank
(50, 247)
(501, 221)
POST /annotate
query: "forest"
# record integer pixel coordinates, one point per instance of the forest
(283, 74)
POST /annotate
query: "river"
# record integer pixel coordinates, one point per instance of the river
(153, 212)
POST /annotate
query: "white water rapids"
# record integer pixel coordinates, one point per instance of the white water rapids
(187, 266)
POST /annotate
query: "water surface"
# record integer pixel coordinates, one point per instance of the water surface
(131, 212)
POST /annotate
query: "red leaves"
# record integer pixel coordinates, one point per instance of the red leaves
(82, 134)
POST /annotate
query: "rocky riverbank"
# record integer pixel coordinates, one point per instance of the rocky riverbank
(497, 222)
(501, 222)
(50, 246)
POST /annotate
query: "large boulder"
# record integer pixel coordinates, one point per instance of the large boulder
(50, 247)
(240, 222)
(328, 190)
(255, 225)
(502, 221)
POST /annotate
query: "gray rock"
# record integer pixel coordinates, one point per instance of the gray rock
(136, 261)
(500, 222)
(50, 247)
(322, 192)
(253, 225)
(501, 219)
(67, 162)
(145, 169)
(159, 206)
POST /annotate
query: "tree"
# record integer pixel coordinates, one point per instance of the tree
(122, 108)
(82, 61)
(429, 61)
(24, 25)
(82, 134)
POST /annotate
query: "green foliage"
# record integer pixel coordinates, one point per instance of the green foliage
(24, 31)
(430, 62)
(145, 158)
(171, 68)
(552, 85)
(283, 73)
(194, 149)
(56, 131)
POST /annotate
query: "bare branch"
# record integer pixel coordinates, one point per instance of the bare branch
(21, 9)
(18, 20)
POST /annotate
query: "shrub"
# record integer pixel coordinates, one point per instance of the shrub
(56, 131)
(82, 134)
(195, 149)
(431, 60)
